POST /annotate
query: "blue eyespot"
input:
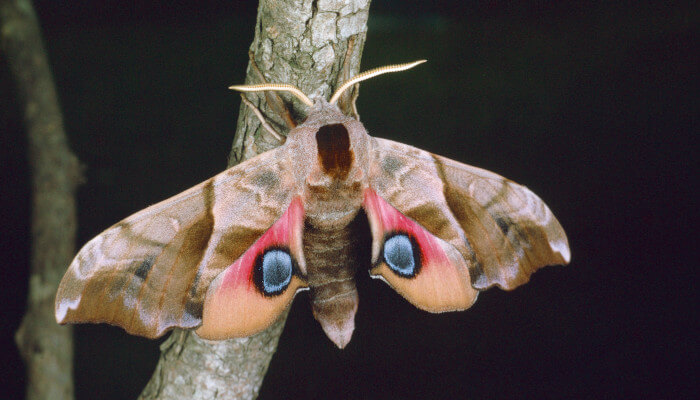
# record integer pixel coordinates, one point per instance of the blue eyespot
(273, 271)
(401, 255)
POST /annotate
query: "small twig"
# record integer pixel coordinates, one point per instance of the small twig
(347, 101)
(345, 74)
(264, 123)
(273, 99)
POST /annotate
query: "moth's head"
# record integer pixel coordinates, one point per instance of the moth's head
(335, 138)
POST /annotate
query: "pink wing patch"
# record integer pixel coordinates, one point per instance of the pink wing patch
(424, 269)
(250, 294)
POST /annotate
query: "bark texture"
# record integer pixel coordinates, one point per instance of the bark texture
(304, 43)
(46, 347)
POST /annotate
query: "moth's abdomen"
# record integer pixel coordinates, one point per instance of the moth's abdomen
(334, 306)
(333, 255)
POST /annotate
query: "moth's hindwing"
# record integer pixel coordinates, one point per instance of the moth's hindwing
(250, 294)
(423, 268)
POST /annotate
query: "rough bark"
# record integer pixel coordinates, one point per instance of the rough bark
(304, 43)
(46, 347)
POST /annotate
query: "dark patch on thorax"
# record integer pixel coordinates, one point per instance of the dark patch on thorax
(333, 142)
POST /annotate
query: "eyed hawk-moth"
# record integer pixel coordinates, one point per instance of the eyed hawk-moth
(227, 256)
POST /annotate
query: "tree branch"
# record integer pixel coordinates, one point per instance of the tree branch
(46, 347)
(303, 43)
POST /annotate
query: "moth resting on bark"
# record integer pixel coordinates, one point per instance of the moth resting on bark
(227, 256)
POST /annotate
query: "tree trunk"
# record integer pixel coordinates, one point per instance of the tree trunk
(46, 347)
(304, 43)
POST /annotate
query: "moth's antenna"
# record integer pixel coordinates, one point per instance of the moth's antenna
(371, 74)
(275, 86)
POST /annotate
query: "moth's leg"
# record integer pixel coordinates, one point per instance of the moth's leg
(273, 99)
(347, 100)
(264, 123)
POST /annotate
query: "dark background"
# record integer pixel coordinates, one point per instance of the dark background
(593, 106)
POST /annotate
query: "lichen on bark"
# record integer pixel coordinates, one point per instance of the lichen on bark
(303, 43)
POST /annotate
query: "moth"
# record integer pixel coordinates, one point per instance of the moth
(227, 256)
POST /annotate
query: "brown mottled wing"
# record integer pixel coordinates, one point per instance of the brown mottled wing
(150, 272)
(503, 230)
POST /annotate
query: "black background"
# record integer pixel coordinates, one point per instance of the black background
(591, 105)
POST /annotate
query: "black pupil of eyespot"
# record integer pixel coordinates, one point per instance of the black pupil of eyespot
(398, 253)
(276, 271)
